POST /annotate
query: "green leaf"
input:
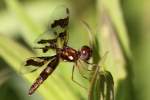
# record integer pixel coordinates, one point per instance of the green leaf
(30, 29)
(102, 86)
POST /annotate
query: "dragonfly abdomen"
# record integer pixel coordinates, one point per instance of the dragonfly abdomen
(44, 75)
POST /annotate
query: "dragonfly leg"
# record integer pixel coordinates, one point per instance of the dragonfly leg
(81, 73)
(86, 68)
(72, 77)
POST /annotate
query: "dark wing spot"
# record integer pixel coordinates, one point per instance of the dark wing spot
(61, 22)
(51, 41)
(34, 63)
(51, 44)
(46, 57)
(67, 11)
(62, 35)
(43, 41)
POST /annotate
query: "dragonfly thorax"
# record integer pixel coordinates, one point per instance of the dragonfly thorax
(69, 54)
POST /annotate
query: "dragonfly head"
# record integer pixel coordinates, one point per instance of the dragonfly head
(85, 52)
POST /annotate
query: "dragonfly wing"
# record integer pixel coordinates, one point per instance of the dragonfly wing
(56, 35)
(59, 25)
(46, 41)
(84, 68)
(34, 63)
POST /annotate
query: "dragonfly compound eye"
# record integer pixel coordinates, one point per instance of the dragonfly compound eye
(85, 52)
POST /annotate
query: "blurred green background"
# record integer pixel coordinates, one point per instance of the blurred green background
(122, 27)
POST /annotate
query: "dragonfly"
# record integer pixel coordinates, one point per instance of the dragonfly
(57, 36)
